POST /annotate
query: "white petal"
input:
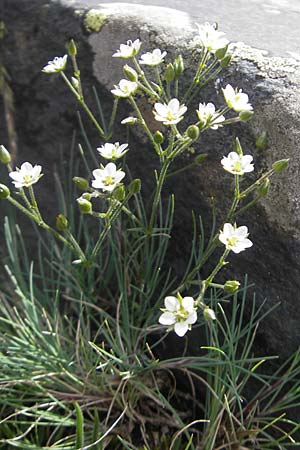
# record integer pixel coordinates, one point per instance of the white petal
(172, 303)
(192, 318)
(111, 169)
(167, 318)
(242, 231)
(188, 303)
(181, 328)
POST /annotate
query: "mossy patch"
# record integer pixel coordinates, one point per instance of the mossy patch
(94, 20)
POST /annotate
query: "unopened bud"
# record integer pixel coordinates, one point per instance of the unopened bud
(75, 83)
(72, 49)
(119, 193)
(281, 165)
(169, 72)
(246, 115)
(129, 121)
(86, 196)
(61, 222)
(81, 183)
(130, 73)
(237, 146)
(231, 286)
(225, 61)
(135, 186)
(193, 132)
(262, 141)
(4, 191)
(209, 314)
(178, 66)
(221, 52)
(158, 137)
(85, 206)
(264, 188)
(200, 158)
(5, 157)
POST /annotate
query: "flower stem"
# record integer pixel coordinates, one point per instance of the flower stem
(160, 182)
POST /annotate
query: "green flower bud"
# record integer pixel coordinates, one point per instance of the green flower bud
(246, 115)
(178, 66)
(193, 132)
(85, 206)
(280, 166)
(61, 222)
(4, 191)
(169, 72)
(75, 83)
(72, 49)
(119, 193)
(130, 73)
(86, 196)
(264, 188)
(225, 61)
(158, 137)
(221, 52)
(209, 314)
(5, 157)
(262, 141)
(231, 286)
(200, 158)
(135, 186)
(237, 146)
(81, 183)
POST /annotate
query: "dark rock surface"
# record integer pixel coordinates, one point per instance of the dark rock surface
(37, 30)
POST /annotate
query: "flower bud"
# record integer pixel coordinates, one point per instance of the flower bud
(119, 193)
(85, 206)
(86, 196)
(200, 158)
(129, 121)
(169, 72)
(81, 183)
(193, 132)
(225, 61)
(4, 191)
(264, 188)
(280, 166)
(262, 141)
(75, 83)
(178, 66)
(135, 186)
(130, 73)
(221, 52)
(246, 115)
(72, 49)
(209, 314)
(158, 137)
(237, 146)
(61, 222)
(231, 286)
(5, 157)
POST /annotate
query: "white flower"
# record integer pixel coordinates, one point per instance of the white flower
(125, 88)
(170, 113)
(180, 313)
(210, 38)
(26, 175)
(235, 238)
(128, 50)
(237, 164)
(208, 116)
(57, 65)
(112, 151)
(107, 177)
(236, 99)
(153, 58)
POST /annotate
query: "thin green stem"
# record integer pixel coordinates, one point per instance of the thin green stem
(160, 182)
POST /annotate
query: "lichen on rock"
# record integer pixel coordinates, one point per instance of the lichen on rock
(94, 20)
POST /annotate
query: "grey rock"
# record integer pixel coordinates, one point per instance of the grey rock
(38, 30)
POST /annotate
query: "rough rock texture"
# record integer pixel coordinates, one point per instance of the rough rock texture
(44, 116)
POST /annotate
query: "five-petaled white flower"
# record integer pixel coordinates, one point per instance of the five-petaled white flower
(208, 116)
(57, 65)
(210, 38)
(128, 50)
(179, 313)
(113, 151)
(26, 175)
(237, 164)
(170, 113)
(107, 177)
(125, 88)
(236, 99)
(153, 58)
(235, 238)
